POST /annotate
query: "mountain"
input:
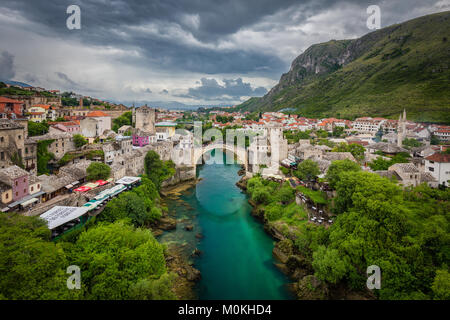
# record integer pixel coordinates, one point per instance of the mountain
(401, 66)
(15, 83)
(171, 105)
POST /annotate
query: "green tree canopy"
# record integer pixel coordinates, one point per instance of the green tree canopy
(115, 258)
(97, 171)
(79, 140)
(339, 166)
(307, 170)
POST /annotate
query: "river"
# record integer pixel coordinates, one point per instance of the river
(236, 260)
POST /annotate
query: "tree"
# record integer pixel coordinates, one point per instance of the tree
(286, 194)
(307, 170)
(328, 265)
(32, 266)
(441, 285)
(115, 258)
(125, 119)
(153, 167)
(156, 169)
(37, 129)
(261, 195)
(79, 140)
(355, 149)
(97, 171)
(338, 131)
(339, 166)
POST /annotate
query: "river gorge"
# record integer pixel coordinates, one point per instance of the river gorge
(216, 231)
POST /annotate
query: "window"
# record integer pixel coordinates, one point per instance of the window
(7, 196)
(17, 194)
(2, 155)
(16, 183)
(20, 137)
(431, 169)
(26, 150)
(2, 139)
(32, 189)
(24, 180)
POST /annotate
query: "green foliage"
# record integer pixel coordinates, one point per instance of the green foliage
(37, 129)
(411, 143)
(139, 206)
(383, 164)
(338, 131)
(318, 197)
(441, 285)
(43, 156)
(295, 136)
(224, 119)
(125, 119)
(355, 149)
(98, 171)
(115, 258)
(328, 264)
(285, 194)
(156, 169)
(32, 266)
(285, 171)
(79, 140)
(339, 166)
(307, 170)
(159, 289)
(405, 233)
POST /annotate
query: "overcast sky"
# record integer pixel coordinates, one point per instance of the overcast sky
(192, 51)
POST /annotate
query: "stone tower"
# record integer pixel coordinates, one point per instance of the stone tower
(278, 144)
(401, 129)
(144, 118)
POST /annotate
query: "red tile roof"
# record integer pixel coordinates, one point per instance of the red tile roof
(8, 100)
(439, 157)
(97, 114)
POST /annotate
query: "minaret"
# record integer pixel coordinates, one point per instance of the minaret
(401, 128)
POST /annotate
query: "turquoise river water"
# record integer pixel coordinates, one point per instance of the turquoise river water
(236, 260)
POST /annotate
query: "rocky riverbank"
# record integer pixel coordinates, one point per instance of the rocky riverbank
(187, 275)
(295, 265)
(177, 260)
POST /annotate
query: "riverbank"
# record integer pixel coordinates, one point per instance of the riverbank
(295, 265)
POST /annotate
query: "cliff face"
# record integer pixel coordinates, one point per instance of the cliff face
(379, 74)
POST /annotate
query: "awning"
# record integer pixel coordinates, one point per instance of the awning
(101, 182)
(24, 199)
(82, 189)
(91, 185)
(128, 180)
(28, 202)
(58, 215)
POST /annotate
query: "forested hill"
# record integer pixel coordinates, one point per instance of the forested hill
(401, 66)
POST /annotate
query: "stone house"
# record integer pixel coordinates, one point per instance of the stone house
(12, 140)
(438, 165)
(95, 124)
(62, 143)
(17, 179)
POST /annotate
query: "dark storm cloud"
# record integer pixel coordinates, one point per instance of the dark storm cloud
(7, 70)
(117, 23)
(66, 80)
(232, 90)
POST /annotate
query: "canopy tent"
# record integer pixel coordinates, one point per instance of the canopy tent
(101, 182)
(117, 189)
(91, 205)
(83, 189)
(128, 180)
(28, 202)
(59, 215)
(91, 185)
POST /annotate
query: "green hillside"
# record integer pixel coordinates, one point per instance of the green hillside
(401, 66)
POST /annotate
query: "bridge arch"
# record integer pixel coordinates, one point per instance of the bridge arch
(240, 152)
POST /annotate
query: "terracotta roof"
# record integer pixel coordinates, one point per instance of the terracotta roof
(439, 157)
(44, 106)
(97, 114)
(8, 100)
